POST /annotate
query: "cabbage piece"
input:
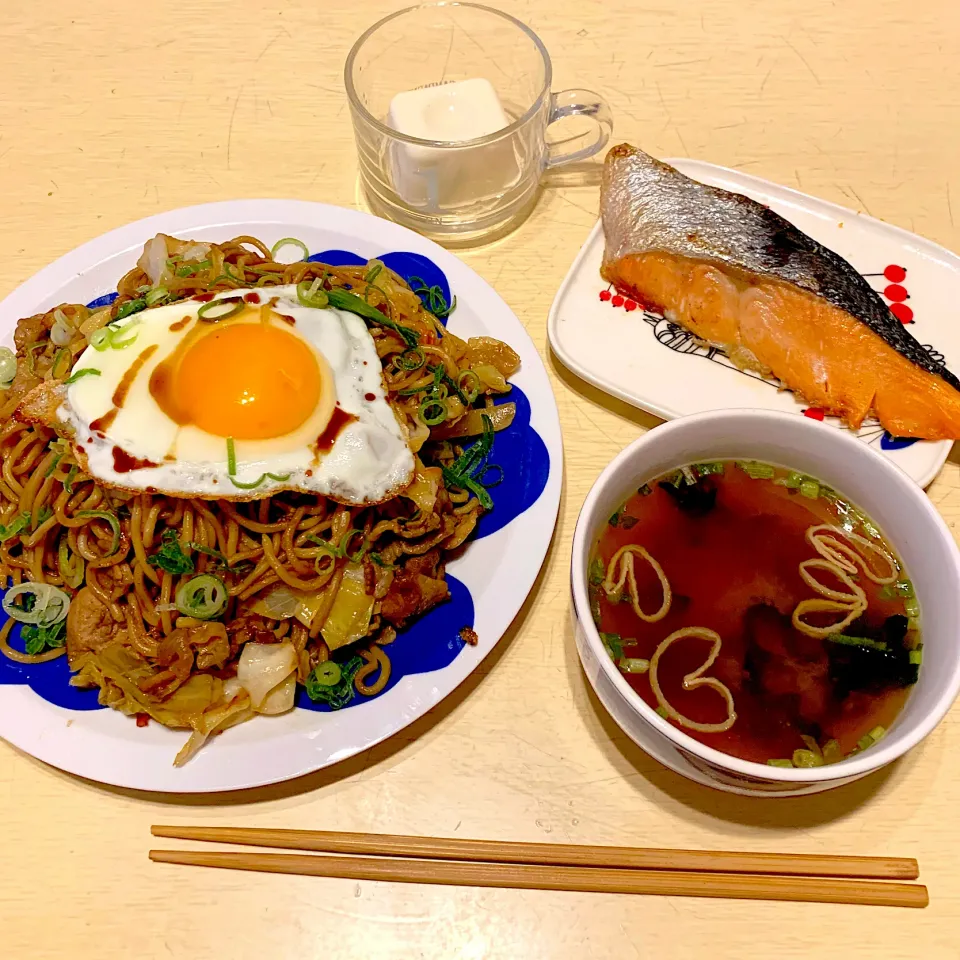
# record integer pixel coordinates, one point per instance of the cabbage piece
(424, 487)
(483, 351)
(349, 617)
(263, 666)
(214, 721)
(471, 425)
(280, 698)
(284, 603)
(117, 667)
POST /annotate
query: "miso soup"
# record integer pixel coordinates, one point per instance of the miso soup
(759, 611)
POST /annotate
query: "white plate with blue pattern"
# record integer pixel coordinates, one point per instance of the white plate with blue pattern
(44, 716)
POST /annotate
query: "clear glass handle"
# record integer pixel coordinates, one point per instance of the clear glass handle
(579, 103)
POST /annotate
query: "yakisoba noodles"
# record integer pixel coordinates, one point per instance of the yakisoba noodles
(200, 612)
(760, 589)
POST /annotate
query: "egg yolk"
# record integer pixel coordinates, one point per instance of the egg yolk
(249, 381)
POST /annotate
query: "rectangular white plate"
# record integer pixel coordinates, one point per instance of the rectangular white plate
(652, 364)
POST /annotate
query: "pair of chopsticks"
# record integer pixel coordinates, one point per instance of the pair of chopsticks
(547, 866)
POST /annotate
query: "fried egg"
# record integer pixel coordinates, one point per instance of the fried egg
(270, 396)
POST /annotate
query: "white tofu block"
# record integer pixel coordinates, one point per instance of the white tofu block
(437, 179)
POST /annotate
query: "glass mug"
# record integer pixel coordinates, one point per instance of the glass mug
(459, 191)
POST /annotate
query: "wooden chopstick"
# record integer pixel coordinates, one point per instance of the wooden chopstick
(677, 883)
(559, 854)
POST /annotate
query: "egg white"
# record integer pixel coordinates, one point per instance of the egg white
(369, 461)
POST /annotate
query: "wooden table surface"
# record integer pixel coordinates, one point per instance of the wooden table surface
(107, 115)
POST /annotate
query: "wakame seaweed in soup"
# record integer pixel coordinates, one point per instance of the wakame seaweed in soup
(757, 610)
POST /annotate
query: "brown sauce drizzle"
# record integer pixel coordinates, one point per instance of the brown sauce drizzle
(102, 424)
(123, 388)
(124, 462)
(286, 318)
(369, 397)
(339, 421)
(252, 297)
(179, 324)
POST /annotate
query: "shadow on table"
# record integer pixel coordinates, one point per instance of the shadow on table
(695, 801)
(346, 769)
(600, 398)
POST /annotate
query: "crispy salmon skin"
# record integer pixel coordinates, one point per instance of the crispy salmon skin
(740, 277)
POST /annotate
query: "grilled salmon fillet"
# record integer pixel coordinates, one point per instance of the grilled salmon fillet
(740, 277)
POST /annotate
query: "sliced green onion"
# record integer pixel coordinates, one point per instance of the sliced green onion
(190, 268)
(596, 572)
(71, 565)
(831, 752)
(204, 597)
(810, 489)
(79, 374)
(409, 360)
(865, 741)
(328, 673)
(913, 623)
(8, 367)
(100, 339)
(436, 303)
(613, 643)
(614, 518)
(241, 485)
(14, 527)
(325, 545)
(662, 712)
(705, 469)
(44, 604)
(310, 293)
(344, 300)
(130, 307)
(916, 656)
(432, 412)
(357, 555)
(806, 758)
(232, 469)
(645, 490)
(633, 665)
(911, 608)
(877, 733)
(116, 335)
(469, 383)
(786, 764)
(233, 307)
(888, 592)
(155, 296)
(756, 470)
(62, 353)
(857, 641)
(290, 242)
(108, 518)
(42, 517)
(68, 483)
(374, 269)
(904, 588)
(53, 465)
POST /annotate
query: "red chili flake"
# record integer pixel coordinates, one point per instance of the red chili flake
(630, 305)
(617, 301)
(896, 293)
(895, 274)
(902, 312)
(814, 413)
(143, 719)
(605, 295)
